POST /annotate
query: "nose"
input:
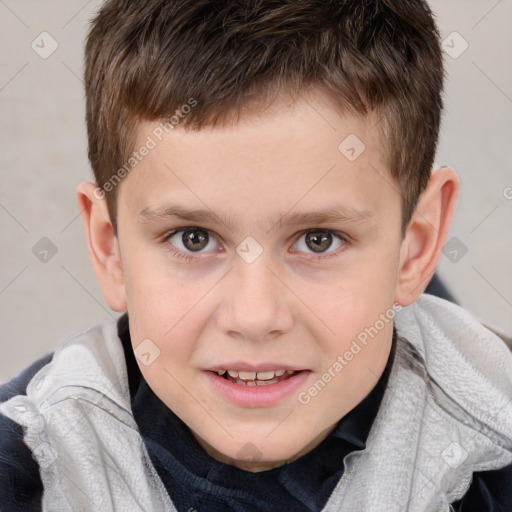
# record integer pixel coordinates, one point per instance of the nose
(256, 304)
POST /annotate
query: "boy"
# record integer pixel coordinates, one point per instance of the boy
(264, 210)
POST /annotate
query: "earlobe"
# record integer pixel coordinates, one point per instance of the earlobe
(103, 245)
(426, 235)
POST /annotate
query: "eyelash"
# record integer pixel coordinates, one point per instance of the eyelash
(189, 257)
(180, 255)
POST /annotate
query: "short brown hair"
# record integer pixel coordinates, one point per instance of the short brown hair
(144, 60)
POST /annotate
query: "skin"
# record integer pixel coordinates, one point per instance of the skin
(292, 305)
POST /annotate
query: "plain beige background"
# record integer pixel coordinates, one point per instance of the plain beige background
(44, 157)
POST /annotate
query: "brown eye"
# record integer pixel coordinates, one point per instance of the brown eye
(319, 241)
(192, 240)
(195, 239)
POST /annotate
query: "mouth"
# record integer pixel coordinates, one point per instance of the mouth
(248, 378)
(256, 387)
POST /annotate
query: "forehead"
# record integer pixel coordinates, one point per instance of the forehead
(293, 156)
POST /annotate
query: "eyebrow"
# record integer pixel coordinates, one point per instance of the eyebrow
(335, 213)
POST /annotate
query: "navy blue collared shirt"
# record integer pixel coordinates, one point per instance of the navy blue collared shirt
(196, 481)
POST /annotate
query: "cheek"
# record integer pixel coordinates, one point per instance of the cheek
(357, 295)
(155, 291)
(349, 308)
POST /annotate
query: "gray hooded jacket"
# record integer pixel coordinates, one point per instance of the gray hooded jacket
(446, 413)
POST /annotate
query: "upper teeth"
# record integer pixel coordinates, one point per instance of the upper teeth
(254, 375)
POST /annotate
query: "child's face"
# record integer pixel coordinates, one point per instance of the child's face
(212, 301)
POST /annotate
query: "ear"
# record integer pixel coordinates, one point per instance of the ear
(103, 244)
(426, 235)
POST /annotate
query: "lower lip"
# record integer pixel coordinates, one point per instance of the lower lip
(257, 396)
